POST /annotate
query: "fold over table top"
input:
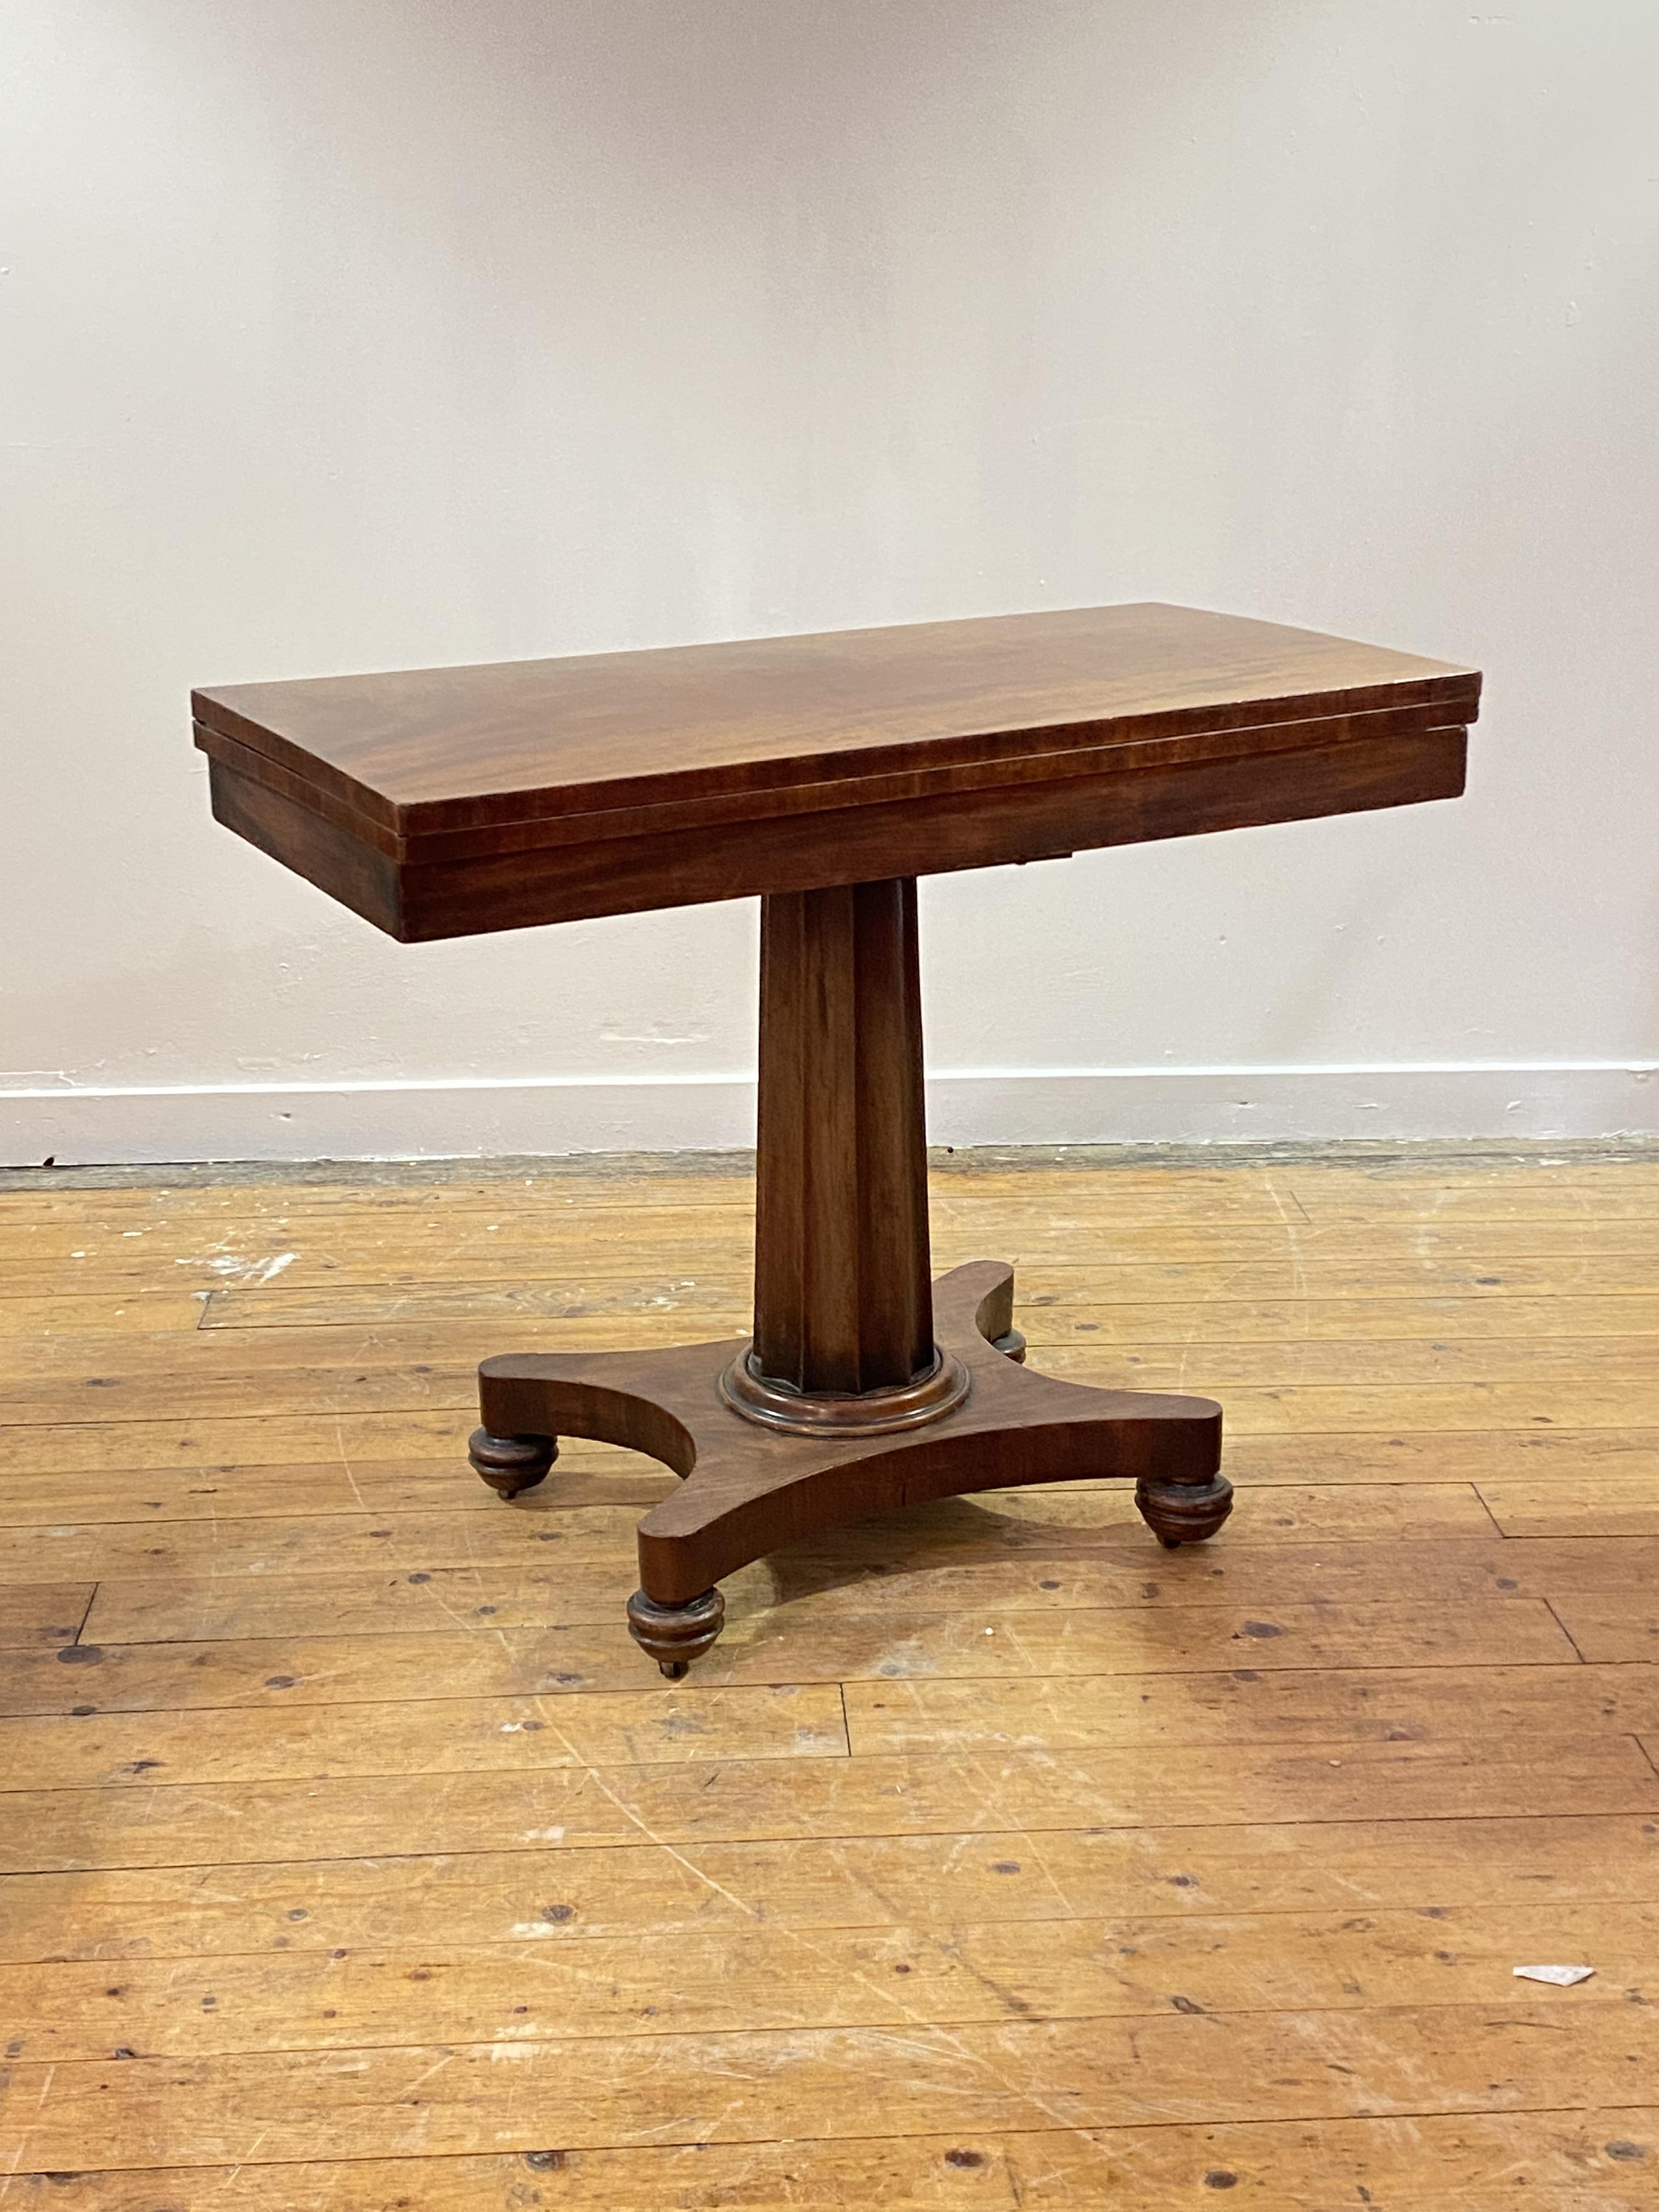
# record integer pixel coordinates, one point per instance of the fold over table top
(439, 802)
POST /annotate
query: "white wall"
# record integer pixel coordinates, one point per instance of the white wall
(357, 333)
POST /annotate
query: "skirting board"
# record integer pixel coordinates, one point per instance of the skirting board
(491, 1117)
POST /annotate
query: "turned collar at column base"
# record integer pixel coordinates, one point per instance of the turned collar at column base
(773, 1405)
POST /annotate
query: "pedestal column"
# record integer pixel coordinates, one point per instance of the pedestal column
(843, 1300)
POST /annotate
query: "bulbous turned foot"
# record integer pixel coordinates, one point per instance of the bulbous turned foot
(1183, 1512)
(675, 1635)
(1011, 1345)
(510, 1464)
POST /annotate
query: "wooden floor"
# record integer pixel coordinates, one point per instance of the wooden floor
(355, 1858)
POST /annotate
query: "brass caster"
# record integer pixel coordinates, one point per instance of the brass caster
(1183, 1512)
(675, 1635)
(510, 1464)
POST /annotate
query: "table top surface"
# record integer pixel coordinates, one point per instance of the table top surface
(431, 750)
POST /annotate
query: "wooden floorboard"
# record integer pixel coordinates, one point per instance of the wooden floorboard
(351, 1855)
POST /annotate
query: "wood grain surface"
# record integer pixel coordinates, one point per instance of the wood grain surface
(992, 1858)
(443, 802)
(423, 749)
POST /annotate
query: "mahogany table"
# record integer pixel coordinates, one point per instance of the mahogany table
(824, 774)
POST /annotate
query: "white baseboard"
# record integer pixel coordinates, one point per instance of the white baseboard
(490, 1117)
